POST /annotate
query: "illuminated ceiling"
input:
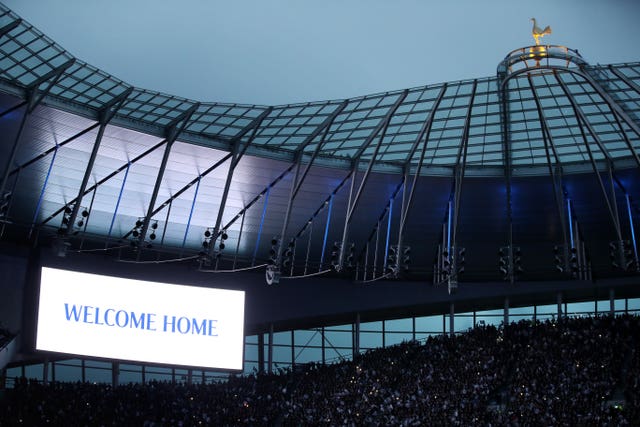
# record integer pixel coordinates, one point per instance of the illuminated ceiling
(191, 166)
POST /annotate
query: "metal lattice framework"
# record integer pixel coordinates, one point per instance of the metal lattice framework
(195, 165)
(29, 58)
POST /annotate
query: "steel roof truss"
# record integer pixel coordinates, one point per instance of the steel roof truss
(10, 26)
(172, 131)
(239, 148)
(105, 179)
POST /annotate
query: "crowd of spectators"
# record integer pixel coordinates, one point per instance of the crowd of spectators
(581, 371)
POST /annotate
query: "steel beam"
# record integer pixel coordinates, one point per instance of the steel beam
(237, 153)
(326, 125)
(425, 132)
(178, 193)
(54, 148)
(610, 101)
(384, 213)
(256, 198)
(14, 108)
(383, 124)
(287, 214)
(582, 123)
(554, 173)
(264, 213)
(353, 203)
(103, 180)
(625, 79)
(581, 117)
(106, 114)
(35, 95)
(324, 203)
(172, 131)
(298, 179)
(458, 177)
(193, 205)
(10, 26)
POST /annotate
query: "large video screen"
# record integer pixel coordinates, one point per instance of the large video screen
(116, 318)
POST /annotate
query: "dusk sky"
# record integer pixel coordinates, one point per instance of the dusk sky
(288, 51)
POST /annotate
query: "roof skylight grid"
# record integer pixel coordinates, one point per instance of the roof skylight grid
(26, 55)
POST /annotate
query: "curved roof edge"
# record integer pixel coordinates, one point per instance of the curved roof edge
(439, 126)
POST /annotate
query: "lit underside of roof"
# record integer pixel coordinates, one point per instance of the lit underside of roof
(538, 134)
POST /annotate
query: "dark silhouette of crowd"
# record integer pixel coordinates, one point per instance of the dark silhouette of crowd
(577, 372)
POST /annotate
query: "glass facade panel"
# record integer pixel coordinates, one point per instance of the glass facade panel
(580, 308)
(157, 373)
(307, 337)
(308, 354)
(251, 352)
(282, 354)
(250, 368)
(370, 340)
(490, 317)
(463, 322)
(514, 311)
(633, 304)
(371, 327)
(98, 375)
(342, 339)
(393, 338)
(332, 355)
(428, 325)
(69, 370)
(604, 306)
(282, 338)
(544, 312)
(130, 374)
(398, 325)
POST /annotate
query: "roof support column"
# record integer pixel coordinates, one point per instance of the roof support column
(55, 148)
(610, 101)
(461, 164)
(287, 213)
(554, 172)
(103, 180)
(33, 98)
(582, 122)
(105, 117)
(298, 179)
(238, 152)
(172, 131)
(353, 203)
(407, 200)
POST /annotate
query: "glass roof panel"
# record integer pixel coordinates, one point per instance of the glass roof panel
(26, 55)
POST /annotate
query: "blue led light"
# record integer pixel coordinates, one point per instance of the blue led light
(386, 246)
(570, 217)
(264, 211)
(326, 229)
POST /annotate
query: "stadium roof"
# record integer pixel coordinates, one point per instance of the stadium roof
(125, 154)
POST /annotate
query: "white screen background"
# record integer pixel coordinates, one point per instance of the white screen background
(56, 333)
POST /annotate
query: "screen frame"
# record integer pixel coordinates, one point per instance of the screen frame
(62, 354)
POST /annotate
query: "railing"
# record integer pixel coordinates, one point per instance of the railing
(542, 56)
